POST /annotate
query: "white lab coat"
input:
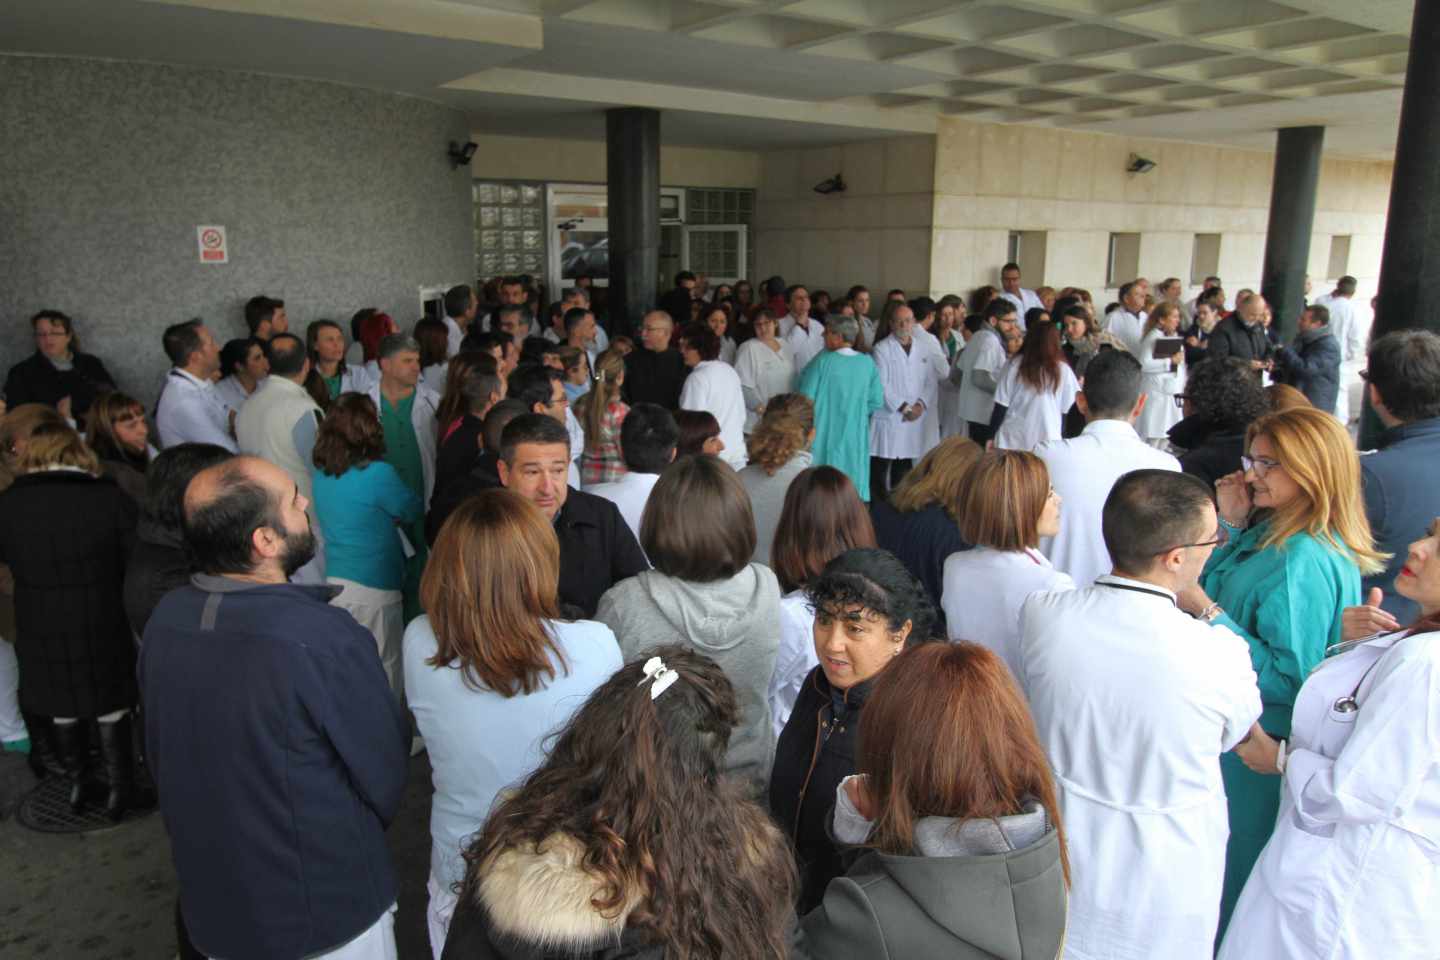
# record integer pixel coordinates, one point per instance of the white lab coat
(1024, 301)
(629, 494)
(714, 385)
(982, 591)
(1134, 701)
(1161, 385)
(805, 345)
(905, 376)
(1352, 871)
(984, 353)
(1082, 471)
(764, 373)
(950, 422)
(422, 418)
(937, 369)
(795, 658)
(1033, 416)
(1351, 334)
(1128, 327)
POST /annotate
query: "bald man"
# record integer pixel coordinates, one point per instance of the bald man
(278, 750)
(1242, 335)
(655, 372)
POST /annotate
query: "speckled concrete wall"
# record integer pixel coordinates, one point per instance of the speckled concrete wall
(333, 198)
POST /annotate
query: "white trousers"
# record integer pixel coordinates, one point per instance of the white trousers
(12, 725)
(376, 942)
(438, 914)
(381, 612)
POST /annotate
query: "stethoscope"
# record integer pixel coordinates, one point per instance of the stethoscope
(1349, 703)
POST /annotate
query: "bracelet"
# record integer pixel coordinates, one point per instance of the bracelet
(1228, 525)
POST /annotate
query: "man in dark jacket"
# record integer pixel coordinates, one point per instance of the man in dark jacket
(279, 752)
(1402, 496)
(1312, 365)
(1242, 335)
(655, 372)
(597, 549)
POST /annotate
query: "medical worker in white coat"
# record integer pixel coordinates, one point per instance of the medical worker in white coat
(1352, 871)
(1083, 469)
(897, 431)
(714, 386)
(1005, 505)
(1135, 700)
(1164, 376)
(938, 370)
(1036, 389)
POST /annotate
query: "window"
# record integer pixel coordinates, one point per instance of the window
(1124, 263)
(720, 254)
(1339, 258)
(1205, 260)
(1012, 249)
(1027, 248)
(509, 229)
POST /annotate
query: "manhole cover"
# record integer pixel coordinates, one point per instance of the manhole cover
(46, 809)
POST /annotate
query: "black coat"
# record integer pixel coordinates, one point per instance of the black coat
(652, 377)
(35, 380)
(459, 452)
(484, 475)
(815, 752)
(157, 566)
(1231, 338)
(921, 540)
(67, 537)
(1211, 451)
(597, 550)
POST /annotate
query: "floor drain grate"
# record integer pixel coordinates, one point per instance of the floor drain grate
(46, 809)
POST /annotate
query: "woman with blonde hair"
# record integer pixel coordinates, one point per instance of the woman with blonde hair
(1163, 376)
(779, 449)
(76, 654)
(1298, 541)
(120, 437)
(918, 522)
(953, 790)
(1282, 396)
(492, 653)
(1006, 504)
(601, 413)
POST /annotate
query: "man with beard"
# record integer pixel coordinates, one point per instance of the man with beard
(276, 745)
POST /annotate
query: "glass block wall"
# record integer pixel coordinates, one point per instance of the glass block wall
(509, 229)
(715, 253)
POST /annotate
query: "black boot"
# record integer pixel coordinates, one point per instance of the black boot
(118, 752)
(42, 759)
(71, 745)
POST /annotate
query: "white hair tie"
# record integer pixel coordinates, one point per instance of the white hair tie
(660, 676)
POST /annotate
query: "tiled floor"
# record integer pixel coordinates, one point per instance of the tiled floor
(110, 895)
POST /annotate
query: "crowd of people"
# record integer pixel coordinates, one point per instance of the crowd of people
(785, 624)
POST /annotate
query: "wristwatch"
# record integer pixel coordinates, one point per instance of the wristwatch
(1210, 613)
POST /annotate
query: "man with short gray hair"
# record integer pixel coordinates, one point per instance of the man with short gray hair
(407, 419)
(845, 387)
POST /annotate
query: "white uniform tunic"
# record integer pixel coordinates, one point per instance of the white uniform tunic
(764, 373)
(905, 377)
(1129, 327)
(1033, 416)
(937, 369)
(1134, 701)
(714, 386)
(982, 591)
(1352, 871)
(1161, 385)
(1082, 470)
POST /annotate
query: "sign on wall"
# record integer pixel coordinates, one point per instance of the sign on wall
(213, 246)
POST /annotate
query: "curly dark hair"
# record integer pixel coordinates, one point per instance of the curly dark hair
(349, 435)
(875, 580)
(638, 783)
(1226, 393)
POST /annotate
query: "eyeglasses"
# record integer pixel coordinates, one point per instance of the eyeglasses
(1219, 537)
(1260, 465)
(1180, 400)
(1365, 375)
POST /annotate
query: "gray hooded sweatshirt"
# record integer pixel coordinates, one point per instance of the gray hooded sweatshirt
(735, 622)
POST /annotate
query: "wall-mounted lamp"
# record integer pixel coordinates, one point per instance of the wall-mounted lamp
(460, 155)
(1139, 164)
(835, 184)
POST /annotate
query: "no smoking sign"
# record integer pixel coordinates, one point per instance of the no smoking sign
(213, 246)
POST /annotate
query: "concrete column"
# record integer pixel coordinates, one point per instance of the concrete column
(632, 177)
(1292, 215)
(1410, 263)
